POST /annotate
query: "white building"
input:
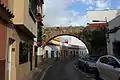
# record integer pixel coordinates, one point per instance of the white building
(112, 17)
(75, 46)
(100, 15)
(74, 41)
(52, 49)
(64, 46)
(113, 40)
(77, 50)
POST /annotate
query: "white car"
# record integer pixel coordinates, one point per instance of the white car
(108, 68)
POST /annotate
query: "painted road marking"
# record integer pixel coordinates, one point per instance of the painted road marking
(45, 72)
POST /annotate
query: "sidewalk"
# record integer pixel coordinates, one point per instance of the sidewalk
(36, 73)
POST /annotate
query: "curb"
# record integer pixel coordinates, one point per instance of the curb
(32, 75)
(87, 75)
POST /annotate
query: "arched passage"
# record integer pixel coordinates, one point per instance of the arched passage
(83, 40)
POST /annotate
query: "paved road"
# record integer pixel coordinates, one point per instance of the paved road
(64, 70)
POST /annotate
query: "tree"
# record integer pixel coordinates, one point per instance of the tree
(96, 39)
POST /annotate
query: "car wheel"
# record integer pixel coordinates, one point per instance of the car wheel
(86, 69)
(119, 78)
(97, 77)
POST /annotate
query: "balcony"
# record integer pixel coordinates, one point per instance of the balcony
(22, 17)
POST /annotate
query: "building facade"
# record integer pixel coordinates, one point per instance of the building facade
(102, 16)
(104, 19)
(5, 25)
(113, 38)
(53, 48)
(17, 37)
(78, 51)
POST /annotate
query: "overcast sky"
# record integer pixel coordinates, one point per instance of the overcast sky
(73, 12)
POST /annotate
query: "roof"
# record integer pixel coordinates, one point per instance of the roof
(6, 10)
(53, 44)
(56, 39)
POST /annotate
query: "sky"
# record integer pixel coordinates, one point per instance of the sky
(73, 12)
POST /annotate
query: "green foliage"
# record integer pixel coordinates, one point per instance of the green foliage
(39, 33)
(96, 38)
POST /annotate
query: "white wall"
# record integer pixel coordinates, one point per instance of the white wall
(39, 52)
(114, 22)
(101, 14)
(52, 48)
(82, 52)
(73, 41)
(113, 36)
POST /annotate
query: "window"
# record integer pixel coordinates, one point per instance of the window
(104, 60)
(23, 52)
(71, 52)
(24, 49)
(57, 53)
(116, 48)
(46, 53)
(33, 9)
(113, 62)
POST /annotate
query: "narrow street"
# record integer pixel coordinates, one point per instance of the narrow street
(64, 70)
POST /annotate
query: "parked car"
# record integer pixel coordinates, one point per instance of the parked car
(87, 63)
(90, 64)
(108, 68)
(80, 63)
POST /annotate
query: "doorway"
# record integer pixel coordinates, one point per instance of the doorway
(52, 54)
(116, 48)
(9, 57)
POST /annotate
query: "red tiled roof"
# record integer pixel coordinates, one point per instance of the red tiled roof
(7, 10)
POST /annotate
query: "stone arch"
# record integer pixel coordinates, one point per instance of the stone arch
(74, 35)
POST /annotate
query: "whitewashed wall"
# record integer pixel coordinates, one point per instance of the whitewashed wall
(52, 48)
(113, 36)
(101, 14)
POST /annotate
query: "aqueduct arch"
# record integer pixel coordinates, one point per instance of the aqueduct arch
(51, 32)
